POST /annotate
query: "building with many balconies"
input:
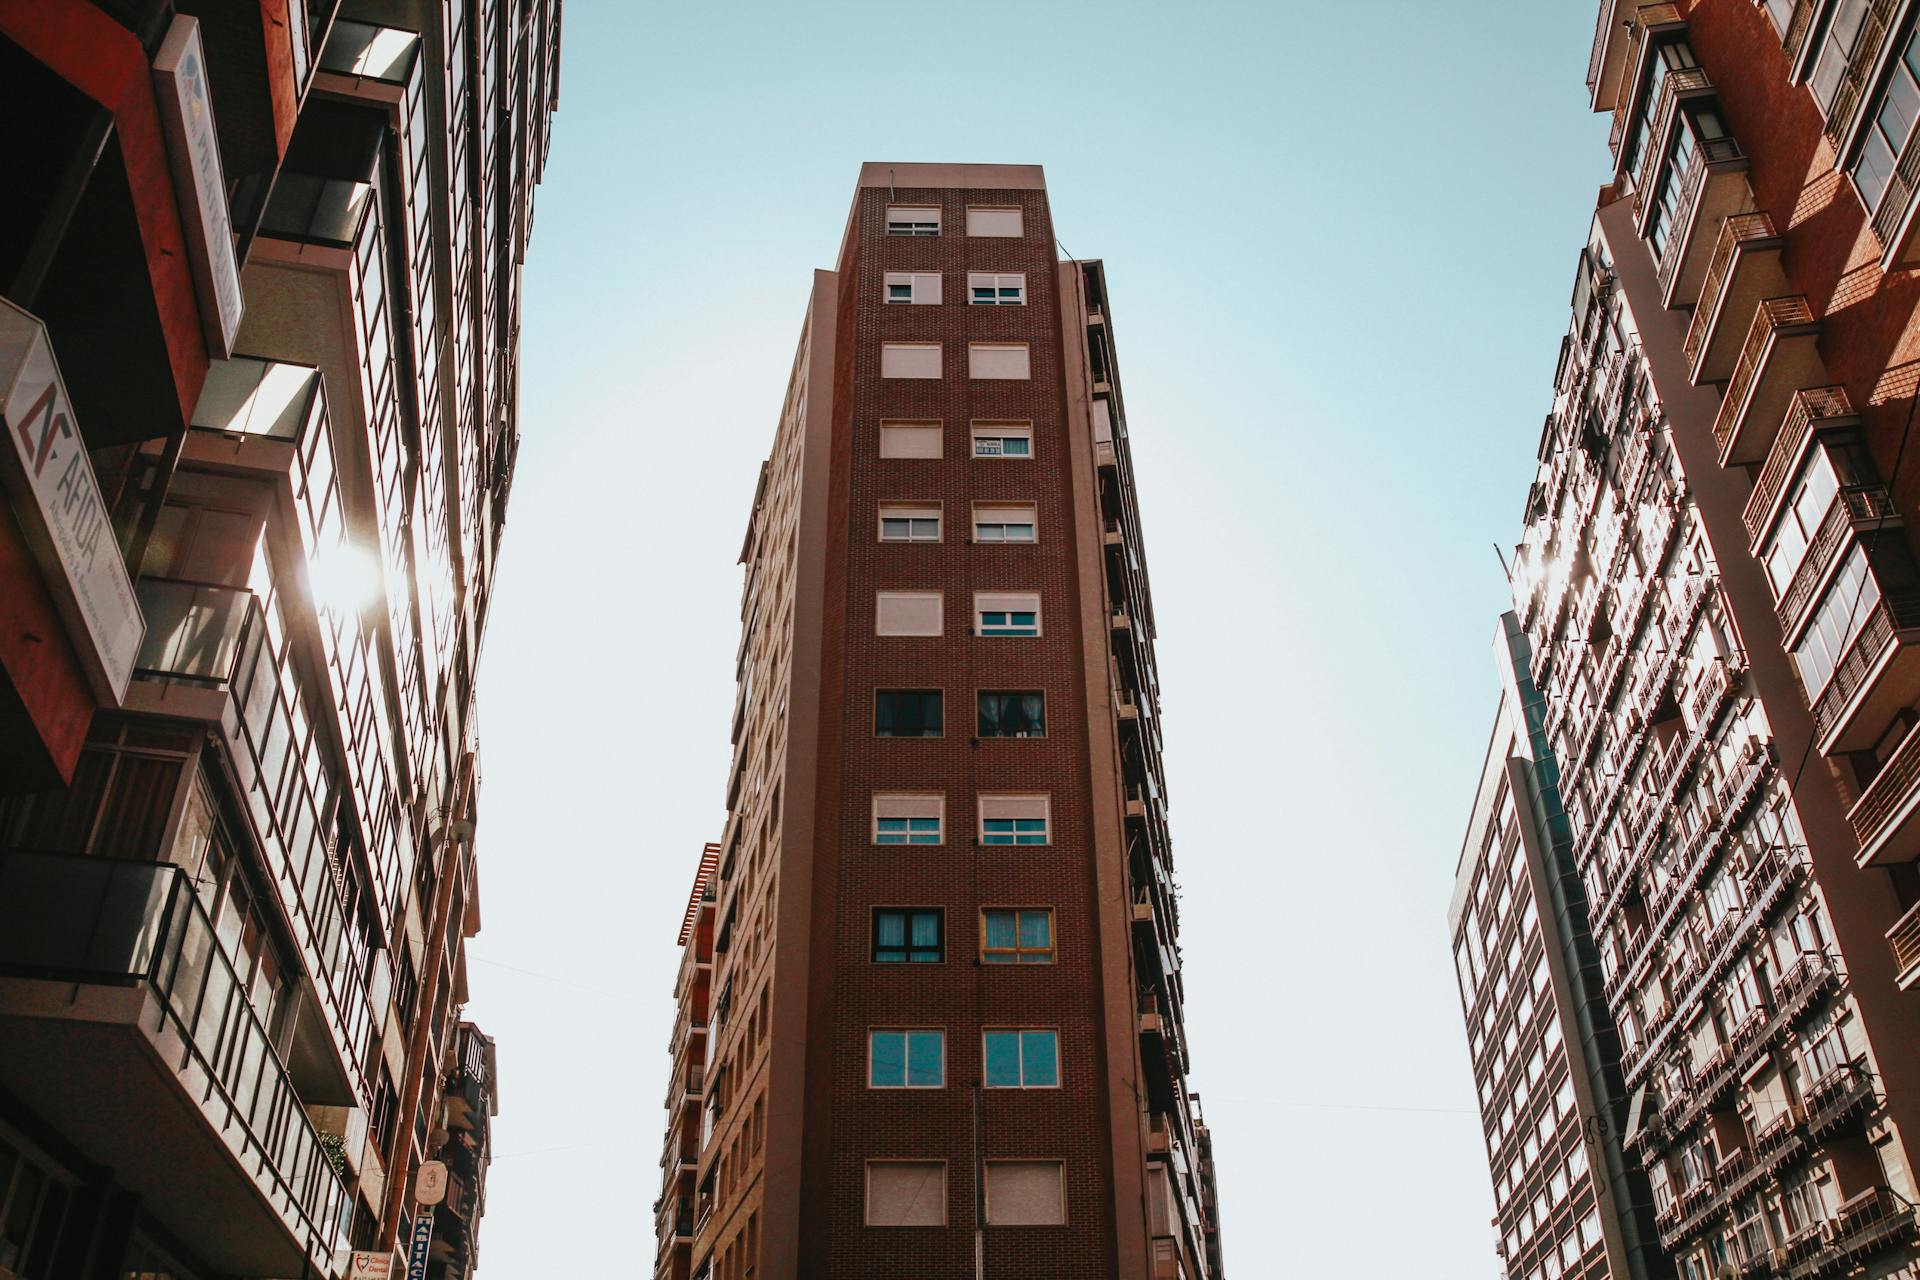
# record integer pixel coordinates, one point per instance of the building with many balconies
(261, 298)
(1715, 584)
(930, 1006)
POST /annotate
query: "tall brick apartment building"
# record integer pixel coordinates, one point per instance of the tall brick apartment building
(1720, 596)
(259, 307)
(930, 1005)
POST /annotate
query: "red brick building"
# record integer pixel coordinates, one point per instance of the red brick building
(931, 1003)
(259, 312)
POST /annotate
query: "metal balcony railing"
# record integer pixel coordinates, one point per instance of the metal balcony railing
(1738, 229)
(1904, 938)
(1810, 410)
(1771, 316)
(1853, 80)
(115, 922)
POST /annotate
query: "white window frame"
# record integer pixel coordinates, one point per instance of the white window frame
(911, 216)
(903, 425)
(1017, 807)
(906, 1065)
(976, 349)
(984, 429)
(996, 283)
(1059, 1064)
(975, 227)
(911, 512)
(923, 288)
(913, 806)
(940, 604)
(1009, 602)
(939, 360)
(992, 509)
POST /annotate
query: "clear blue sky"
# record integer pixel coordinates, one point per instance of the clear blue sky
(1340, 240)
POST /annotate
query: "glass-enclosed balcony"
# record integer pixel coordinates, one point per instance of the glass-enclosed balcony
(364, 50)
(308, 209)
(128, 1028)
(247, 396)
(1855, 651)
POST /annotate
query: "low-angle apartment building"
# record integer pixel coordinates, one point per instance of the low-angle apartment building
(930, 1011)
(259, 313)
(1717, 588)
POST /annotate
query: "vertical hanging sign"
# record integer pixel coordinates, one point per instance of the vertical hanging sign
(422, 1243)
(193, 146)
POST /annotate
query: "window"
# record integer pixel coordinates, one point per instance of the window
(1026, 1193)
(910, 440)
(907, 713)
(1806, 505)
(908, 819)
(1850, 600)
(994, 222)
(1016, 935)
(907, 613)
(1890, 121)
(987, 289)
(906, 1193)
(1836, 51)
(1013, 715)
(1000, 360)
(1006, 613)
(909, 1059)
(914, 288)
(904, 935)
(909, 359)
(1003, 439)
(912, 220)
(1013, 819)
(1022, 1058)
(909, 522)
(1004, 522)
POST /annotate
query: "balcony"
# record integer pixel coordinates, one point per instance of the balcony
(1715, 190)
(311, 210)
(1904, 938)
(197, 633)
(1618, 35)
(1879, 674)
(1886, 817)
(1811, 412)
(1844, 1093)
(364, 59)
(1856, 509)
(1780, 357)
(1744, 268)
(128, 1029)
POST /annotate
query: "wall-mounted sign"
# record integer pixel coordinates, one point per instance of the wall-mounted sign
(373, 1266)
(193, 146)
(422, 1244)
(50, 482)
(430, 1183)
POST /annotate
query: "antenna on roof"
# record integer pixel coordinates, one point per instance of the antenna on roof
(890, 194)
(1503, 563)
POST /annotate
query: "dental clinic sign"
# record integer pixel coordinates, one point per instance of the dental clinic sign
(193, 146)
(50, 484)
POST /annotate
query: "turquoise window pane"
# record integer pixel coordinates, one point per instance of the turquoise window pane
(925, 1068)
(891, 930)
(1040, 1058)
(1018, 448)
(1036, 930)
(887, 1060)
(1003, 1060)
(926, 930)
(1000, 929)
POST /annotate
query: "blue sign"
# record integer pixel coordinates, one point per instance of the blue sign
(422, 1241)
